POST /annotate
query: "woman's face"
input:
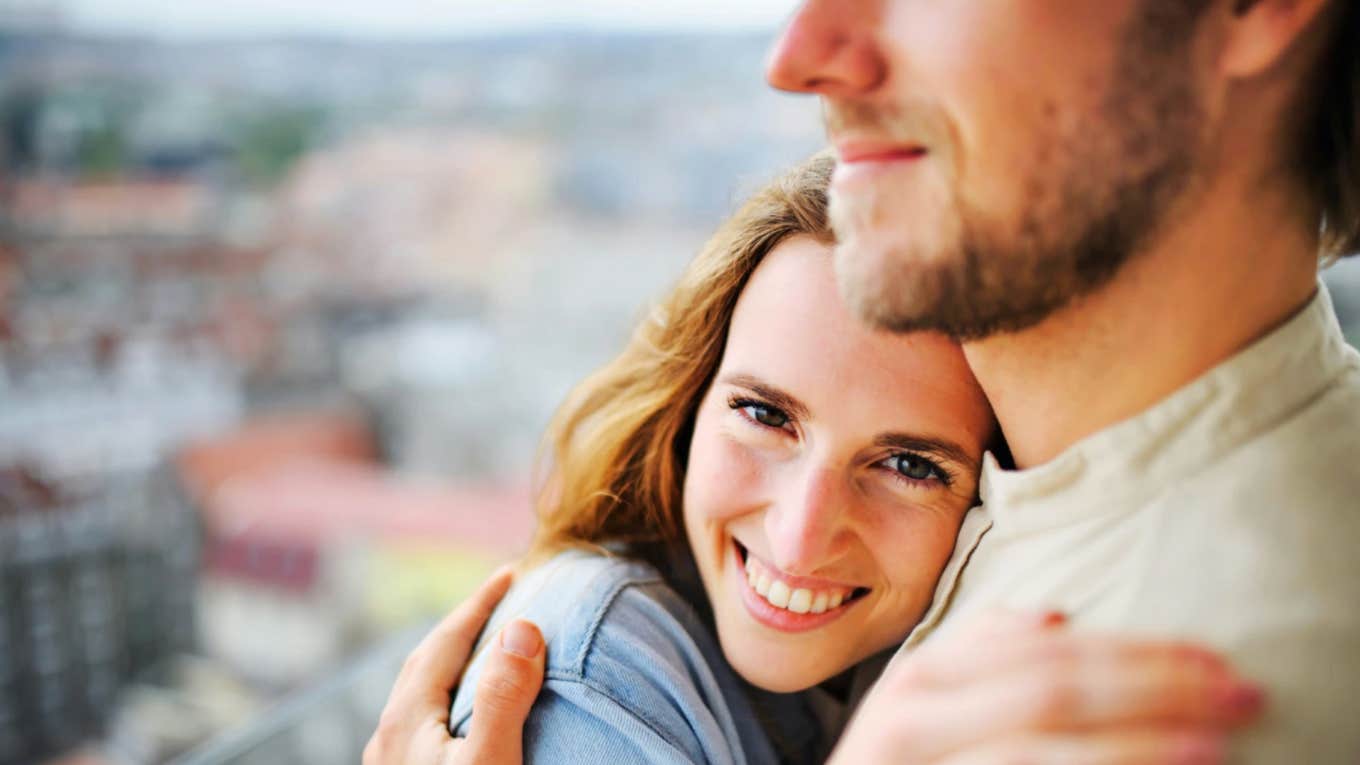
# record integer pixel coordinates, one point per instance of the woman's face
(829, 471)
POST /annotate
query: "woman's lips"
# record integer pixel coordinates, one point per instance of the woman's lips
(786, 608)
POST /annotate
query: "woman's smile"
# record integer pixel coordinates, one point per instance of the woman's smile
(784, 602)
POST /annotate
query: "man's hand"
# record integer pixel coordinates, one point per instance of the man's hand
(414, 724)
(1018, 688)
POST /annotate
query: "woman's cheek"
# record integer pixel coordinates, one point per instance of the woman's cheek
(916, 543)
(726, 477)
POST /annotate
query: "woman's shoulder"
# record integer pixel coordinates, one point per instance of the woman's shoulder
(598, 612)
(589, 604)
(625, 648)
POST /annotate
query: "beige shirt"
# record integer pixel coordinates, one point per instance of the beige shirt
(1228, 513)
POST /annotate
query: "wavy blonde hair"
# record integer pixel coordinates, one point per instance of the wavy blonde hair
(612, 462)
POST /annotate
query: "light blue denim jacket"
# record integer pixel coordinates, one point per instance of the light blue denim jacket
(635, 676)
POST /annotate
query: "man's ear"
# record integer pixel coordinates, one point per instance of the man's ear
(1260, 33)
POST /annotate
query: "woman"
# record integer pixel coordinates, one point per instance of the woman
(812, 471)
(754, 500)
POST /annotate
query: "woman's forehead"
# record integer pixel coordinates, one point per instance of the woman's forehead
(791, 329)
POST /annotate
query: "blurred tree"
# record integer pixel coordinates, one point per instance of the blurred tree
(102, 150)
(269, 141)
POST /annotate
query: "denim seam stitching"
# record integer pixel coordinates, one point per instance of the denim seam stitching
(588, 644)
(653, 725)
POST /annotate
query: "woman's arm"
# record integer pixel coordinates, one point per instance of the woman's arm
(1017, 688)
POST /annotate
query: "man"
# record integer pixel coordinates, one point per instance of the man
(1119, 207)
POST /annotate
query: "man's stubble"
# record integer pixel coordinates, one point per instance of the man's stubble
(1098, 190)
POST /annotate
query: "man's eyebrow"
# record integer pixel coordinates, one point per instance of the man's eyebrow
(784, 401)
(938, 447)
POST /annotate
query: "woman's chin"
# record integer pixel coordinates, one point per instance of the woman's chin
(766, 671)
(778, 682)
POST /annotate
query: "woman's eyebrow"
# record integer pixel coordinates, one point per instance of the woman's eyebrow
(938, 447)
(784, 401)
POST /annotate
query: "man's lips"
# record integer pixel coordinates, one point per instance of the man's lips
(859, 153)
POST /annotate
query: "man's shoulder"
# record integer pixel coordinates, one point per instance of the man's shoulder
(1309, 455)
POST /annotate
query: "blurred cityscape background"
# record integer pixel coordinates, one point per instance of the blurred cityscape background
(284, 304)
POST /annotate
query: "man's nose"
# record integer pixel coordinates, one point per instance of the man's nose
(828, 48)
(807, 526)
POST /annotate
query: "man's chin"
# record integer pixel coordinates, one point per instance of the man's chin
(878, 283)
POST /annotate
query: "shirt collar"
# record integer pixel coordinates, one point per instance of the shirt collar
(1228, 405)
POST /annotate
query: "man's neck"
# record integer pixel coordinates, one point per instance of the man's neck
(1223, 276)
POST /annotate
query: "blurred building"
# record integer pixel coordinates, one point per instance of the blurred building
(280, 323)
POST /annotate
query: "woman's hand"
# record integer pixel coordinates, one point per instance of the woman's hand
(414, 724)
(1016, 688)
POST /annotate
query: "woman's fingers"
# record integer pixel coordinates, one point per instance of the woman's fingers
(1132, 747)
(1029, 679)
(1115, 690)
(1003, 641)
(509, 683)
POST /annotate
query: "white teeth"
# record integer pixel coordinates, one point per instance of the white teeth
(800, 602)
(778, 595)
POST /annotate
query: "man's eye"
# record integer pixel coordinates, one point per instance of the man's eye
(916, 467)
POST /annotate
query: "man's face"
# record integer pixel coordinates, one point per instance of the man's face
(998, 157)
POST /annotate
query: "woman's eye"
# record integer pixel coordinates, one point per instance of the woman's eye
(762, 414)
(916, 467)
(767, 415)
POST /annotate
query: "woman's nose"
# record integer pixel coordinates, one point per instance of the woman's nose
(807, 523)
(828, 48)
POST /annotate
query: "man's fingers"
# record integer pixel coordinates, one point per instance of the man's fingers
(414, 723)
(443, 654)
(1136, 747)
(509, 683)
(433, 667)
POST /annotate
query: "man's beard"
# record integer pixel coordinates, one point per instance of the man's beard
(1098, 193)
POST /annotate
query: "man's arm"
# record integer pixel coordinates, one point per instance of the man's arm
(414, 724)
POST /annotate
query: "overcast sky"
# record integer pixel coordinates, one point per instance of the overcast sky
(407, 18)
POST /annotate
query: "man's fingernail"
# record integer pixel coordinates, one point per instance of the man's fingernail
(521, 639)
